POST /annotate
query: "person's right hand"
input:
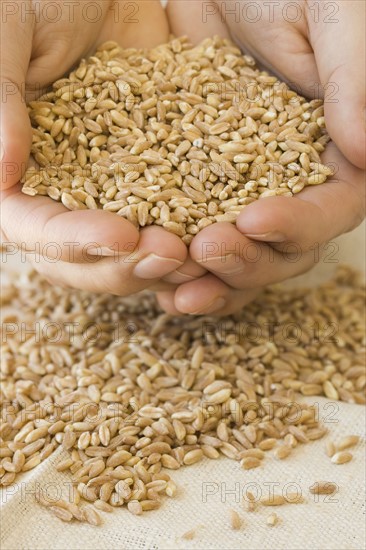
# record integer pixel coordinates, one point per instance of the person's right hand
(92, 250)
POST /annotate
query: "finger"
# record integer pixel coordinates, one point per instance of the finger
(242, 263)
(54, 231)
(129, 24)
(235, 301)
(189, 271)
(166, 302)
(47, 228)
(60, 42)
(339, 50)
(161, 286)
(201, 20)
(209, 295)
(15, 132)
(159, 253)
(119, 275)
(294, 60)
(316, 215)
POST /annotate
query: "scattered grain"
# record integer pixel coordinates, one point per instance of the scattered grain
(235, 520)
(273, 500)
(341, 457)
(61, 513)
(250, 463)
(329, 448)
(92, 515)
(348, 442)
(272, 520)
(189, 535)
(323, 488)
(282, 452)
(124, 410)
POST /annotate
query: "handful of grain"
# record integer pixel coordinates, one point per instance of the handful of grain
(131, 393)
(176, 136)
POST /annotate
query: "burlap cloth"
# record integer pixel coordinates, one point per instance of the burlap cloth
(209, 490)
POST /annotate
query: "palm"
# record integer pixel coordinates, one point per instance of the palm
(58, 46)
(306, 222)
(319, 54)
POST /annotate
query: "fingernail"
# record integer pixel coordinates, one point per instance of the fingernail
(103, 251)
(184, 275)
(215, 305)
(272, 236)
(153, 267)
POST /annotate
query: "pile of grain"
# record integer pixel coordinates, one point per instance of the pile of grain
(176, 136)
(131, 393)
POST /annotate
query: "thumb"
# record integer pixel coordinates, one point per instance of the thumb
(338, 42)
(15, 136)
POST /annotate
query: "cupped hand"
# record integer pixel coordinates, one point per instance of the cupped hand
(280, 237)
(275, 238)
(317, 47)
(93, 250)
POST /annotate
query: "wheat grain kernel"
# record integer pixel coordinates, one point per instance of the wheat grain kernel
(235, 520)
(341, 457)
(348, 442)
(272, 520)
(323, 488)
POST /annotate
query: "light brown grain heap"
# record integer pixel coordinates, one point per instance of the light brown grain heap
(131, 393)
(176, 136)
